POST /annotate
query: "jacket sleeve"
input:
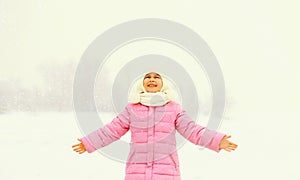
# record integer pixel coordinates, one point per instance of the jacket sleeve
(197, 134)
(107, 134)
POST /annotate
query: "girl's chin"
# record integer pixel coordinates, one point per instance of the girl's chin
(152, 90)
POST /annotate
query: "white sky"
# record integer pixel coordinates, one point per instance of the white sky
(255, 42)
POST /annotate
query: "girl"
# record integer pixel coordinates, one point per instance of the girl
(152, 117)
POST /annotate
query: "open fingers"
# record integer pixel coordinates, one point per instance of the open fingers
(76, 145)
(227, 137)
(231, 147)
(231, 144)
(79, 149)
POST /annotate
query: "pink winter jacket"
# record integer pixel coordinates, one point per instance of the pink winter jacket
(153, 154)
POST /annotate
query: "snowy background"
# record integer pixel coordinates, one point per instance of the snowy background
(256, 43)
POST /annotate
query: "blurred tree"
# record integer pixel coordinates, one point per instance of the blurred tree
(57, 93)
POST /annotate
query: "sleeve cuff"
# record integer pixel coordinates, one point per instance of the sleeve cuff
(89, 148)
(215, 144)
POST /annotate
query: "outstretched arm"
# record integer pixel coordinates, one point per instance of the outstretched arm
(105, 135)
(202, 136)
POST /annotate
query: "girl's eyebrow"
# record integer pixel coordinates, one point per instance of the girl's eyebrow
(158, 75)
(155, 74)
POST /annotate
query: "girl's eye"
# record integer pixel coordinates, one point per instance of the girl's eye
(156, 77)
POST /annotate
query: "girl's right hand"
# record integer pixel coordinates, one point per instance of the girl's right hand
(227, 145)
(79, 148)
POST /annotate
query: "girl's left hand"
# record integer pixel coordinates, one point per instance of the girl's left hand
(227, 145)
(79, 148)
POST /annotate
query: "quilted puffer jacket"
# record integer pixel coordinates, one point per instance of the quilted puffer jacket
(153, 154)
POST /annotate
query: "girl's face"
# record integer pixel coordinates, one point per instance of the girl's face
(152, 82)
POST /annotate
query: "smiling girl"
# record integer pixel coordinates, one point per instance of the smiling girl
(153, 117)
